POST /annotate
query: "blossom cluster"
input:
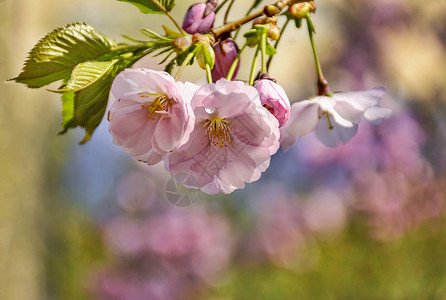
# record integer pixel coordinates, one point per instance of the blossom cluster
(221, 135)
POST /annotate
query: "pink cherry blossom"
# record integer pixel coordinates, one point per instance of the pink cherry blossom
(232, 142)
(152, 114)
(274, 98)
(334, 119)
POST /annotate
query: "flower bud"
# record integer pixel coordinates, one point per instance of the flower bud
(273, 97)
(199, 17)
(181, 43)
(226, 52)
(273, 32)
(206, 57)
(301, 10)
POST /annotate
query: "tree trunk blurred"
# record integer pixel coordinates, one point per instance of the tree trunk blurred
(24, 115)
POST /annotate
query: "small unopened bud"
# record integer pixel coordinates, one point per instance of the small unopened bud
(273, 32)
(271, 10)
(273, 97)
(181, 43)
(268, 20)
(206, 56)
(199, 38)
(226, 52)
(301, 10)
(199, 17)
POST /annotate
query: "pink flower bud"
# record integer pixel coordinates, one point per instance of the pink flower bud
(199, 17)
(226, 52)
(273, 97)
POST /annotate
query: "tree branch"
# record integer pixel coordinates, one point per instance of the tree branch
(269, 10)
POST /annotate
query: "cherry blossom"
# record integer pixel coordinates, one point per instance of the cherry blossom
(274, 98)
(152, 114)
(334, 119)
(232, 142)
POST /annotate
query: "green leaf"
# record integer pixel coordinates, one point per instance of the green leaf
(90, 105)
(152, 6)
(68, 112)
(298, 22)
(310, 24)
(55, 55)
(270, 50)
(170, 33)
(155, 36)
(87, 73)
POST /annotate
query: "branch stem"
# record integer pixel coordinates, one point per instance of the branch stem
(184, 64)
(234, 63)
(263, 51)
(270, 59)
(208, 73)
(253, 67)
(227, 12)
(170, 17)
(322, 84)
(269, 10)
(220, 6)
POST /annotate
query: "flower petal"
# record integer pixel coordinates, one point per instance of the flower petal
(376, 114)
(303, 119)
(336, 135)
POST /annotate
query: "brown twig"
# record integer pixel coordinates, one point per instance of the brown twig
(269, 10)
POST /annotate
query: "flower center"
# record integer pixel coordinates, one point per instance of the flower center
(326, 115)
(269, 108)
(161, 105)
(218, 131)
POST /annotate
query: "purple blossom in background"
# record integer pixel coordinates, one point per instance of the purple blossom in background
(166, 254)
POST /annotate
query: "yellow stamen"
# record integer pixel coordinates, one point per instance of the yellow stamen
(161, 105)
(326, 115)
(218, 131)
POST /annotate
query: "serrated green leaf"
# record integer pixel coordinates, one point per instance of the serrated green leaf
(55, 55)
(68, 112)
(151, 7)
(87, 73)
(90, 105)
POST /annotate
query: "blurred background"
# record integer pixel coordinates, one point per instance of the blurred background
(362, 221)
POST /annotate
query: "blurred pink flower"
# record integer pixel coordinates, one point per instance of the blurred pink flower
(152, 114)
(334, 119)
(280, 230)
(324, 212)
(232, 142)
(273, 97)
(192, 241)
(394, 202)
(125, 237)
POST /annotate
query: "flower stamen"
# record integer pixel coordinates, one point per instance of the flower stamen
(218, 131)
(161, 105)
(326, 115)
